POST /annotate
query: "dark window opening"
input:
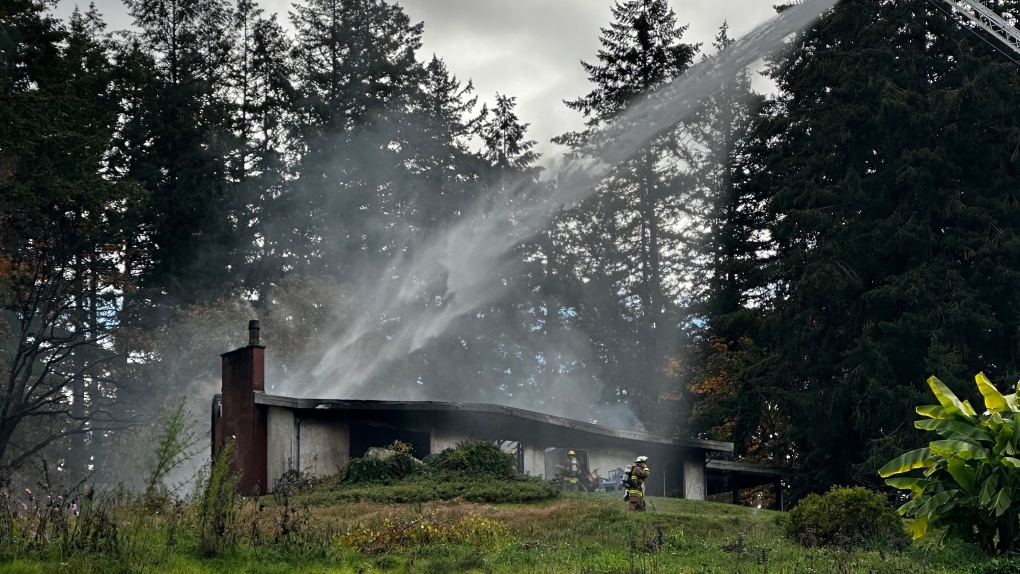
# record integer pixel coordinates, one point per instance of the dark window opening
(515, 449)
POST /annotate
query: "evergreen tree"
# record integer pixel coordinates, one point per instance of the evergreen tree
(356, 71)
(503, 136)
(894, 224)
(441, 172)
(176, 141)
(263, 98)
(64, 224)
(627, 242)
(709, 370)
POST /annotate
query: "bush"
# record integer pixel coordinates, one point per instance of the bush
(417, 489)
(365, 470)
(478, 459)
(845, 518)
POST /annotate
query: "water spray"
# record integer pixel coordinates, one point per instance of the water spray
(462, 263)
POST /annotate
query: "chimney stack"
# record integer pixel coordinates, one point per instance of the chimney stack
(240, 419)
(253, 333)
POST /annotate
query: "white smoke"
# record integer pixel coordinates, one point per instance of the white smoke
(465, 262)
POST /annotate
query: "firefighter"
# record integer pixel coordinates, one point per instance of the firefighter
(636, 484)
(573, 473)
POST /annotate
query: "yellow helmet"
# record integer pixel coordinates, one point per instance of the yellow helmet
(570, 452)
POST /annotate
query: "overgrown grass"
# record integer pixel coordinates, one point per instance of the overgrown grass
(576, 534)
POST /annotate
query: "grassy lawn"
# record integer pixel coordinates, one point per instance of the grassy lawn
(579, 534)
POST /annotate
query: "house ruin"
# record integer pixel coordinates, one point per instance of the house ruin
(272, 434)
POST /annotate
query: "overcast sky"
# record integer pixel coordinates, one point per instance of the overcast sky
(530, 49)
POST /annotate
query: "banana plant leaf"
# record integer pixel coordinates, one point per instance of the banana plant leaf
(994, 401)
(919, 458)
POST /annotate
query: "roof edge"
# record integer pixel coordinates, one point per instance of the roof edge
(328, 404)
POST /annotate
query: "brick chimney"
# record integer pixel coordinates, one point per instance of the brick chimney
(238, 418)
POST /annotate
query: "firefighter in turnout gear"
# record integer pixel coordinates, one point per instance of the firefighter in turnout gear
(573, 473)
(635, 484)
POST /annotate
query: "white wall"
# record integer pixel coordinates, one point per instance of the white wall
(608, 459)
(325, 447)
(694, 479)
(281, 444)
(442, 440)
(534, 460)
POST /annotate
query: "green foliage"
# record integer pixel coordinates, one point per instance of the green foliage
(176, 442)
(845, 518)
(363, 470)
(971, 477)
(881, 268)
(473, 471)
(400, 447)
(218, 505)
(415, 489)
(477, 459)
(1004, 566)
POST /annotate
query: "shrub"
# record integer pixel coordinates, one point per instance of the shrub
(365, 470)
(845, 518)
(971, 477)
(361, 470)
(417, 489)
(479, 459)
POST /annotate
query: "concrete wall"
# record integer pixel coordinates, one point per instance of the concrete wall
(695, 483)
(316, 447)
(281, 444)
(534, 460)
(608, 459)
(440, 440)
(325, 447)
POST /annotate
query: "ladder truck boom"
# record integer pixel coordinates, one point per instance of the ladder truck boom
(981, 15)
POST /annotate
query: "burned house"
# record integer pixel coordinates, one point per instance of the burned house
(272, 434)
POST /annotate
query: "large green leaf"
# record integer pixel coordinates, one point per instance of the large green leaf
(994, 401)
(948, 400)
(964, 475)
(919, 458)
(932, 411)
(915, 485)
(1012, 402)
(958, 449)
(954, 429)
(918, 527)
(988, 491)
(1001, 502)
(936, 505)
(1004, 442)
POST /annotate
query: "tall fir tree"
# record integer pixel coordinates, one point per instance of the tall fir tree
(356, 72)
(261, 77)
(628, 246)
(175, 139)
(710, 367)
(894, 224)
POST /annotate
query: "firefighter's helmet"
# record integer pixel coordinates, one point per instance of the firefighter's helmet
(570, 452)
(641, 459)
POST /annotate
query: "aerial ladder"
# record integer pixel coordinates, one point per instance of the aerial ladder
(978, 12)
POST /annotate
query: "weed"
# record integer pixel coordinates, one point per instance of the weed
(218, 506)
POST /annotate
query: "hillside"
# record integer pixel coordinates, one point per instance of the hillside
(574, 533)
